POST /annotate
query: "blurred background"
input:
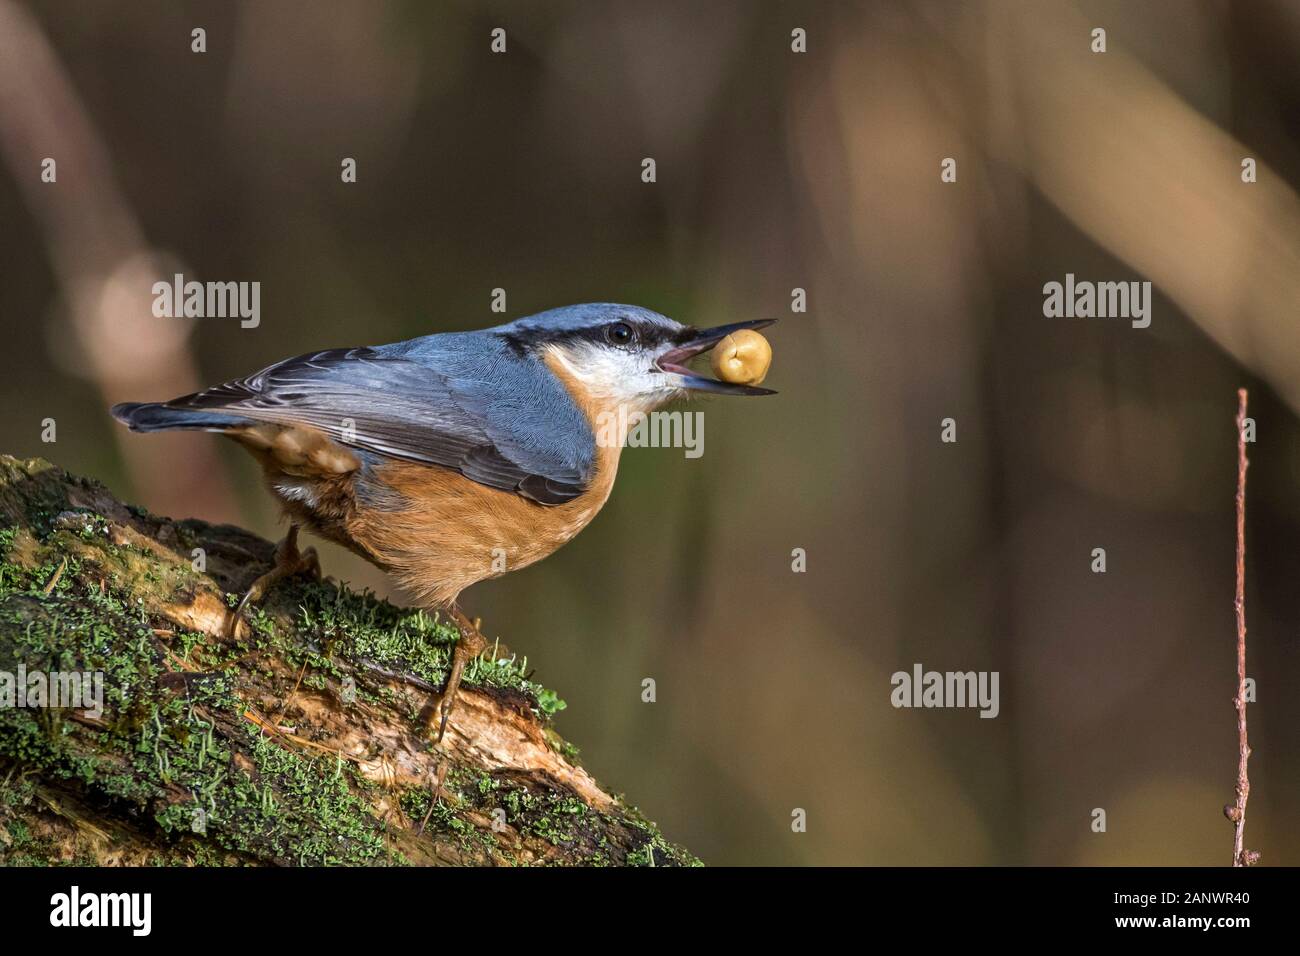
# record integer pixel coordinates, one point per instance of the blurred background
(776, 170)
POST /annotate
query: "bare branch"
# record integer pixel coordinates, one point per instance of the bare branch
(1237, 812)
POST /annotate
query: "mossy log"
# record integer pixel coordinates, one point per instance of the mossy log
(299, 741)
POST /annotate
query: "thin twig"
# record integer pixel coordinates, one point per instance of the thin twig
(1237, 812)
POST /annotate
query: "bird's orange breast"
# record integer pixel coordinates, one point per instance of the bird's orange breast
(449, 532)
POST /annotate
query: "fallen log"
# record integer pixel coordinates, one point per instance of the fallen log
(297, 741)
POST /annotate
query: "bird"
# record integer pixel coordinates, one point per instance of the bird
(454, 457)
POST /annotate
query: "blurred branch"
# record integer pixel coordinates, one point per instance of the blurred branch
(1155, 182)
(103, 264)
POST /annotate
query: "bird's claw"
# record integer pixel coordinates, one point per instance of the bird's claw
(444, 711)
(289, 561)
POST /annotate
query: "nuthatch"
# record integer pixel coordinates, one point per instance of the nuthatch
(450, 458)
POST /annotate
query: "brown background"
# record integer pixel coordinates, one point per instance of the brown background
(775, 171)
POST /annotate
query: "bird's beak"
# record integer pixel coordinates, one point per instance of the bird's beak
(673, 361)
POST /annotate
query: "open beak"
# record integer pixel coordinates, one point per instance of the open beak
(673, 361)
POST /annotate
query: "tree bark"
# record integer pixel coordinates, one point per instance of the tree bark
(298, 742)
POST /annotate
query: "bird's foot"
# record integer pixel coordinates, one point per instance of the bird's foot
(469, 645)
(289, 561)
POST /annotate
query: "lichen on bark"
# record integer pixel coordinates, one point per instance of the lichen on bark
(297, 742)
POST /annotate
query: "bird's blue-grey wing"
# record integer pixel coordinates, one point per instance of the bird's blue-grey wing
(499, 419)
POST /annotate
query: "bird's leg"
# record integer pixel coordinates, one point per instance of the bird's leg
(469, 645)
(288, 562)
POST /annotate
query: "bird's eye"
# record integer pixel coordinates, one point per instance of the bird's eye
(619, 333)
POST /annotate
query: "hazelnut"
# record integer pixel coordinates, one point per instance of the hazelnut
(742, 358)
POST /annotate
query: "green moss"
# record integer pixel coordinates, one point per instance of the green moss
(293, 809)
(174, 758)
(561, 819)
(159, 753)
(363, 629)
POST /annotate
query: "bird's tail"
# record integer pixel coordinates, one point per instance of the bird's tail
(159, 416)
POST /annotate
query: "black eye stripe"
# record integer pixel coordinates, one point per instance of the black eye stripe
(645, 334)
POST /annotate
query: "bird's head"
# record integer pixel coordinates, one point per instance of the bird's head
(624, 354)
